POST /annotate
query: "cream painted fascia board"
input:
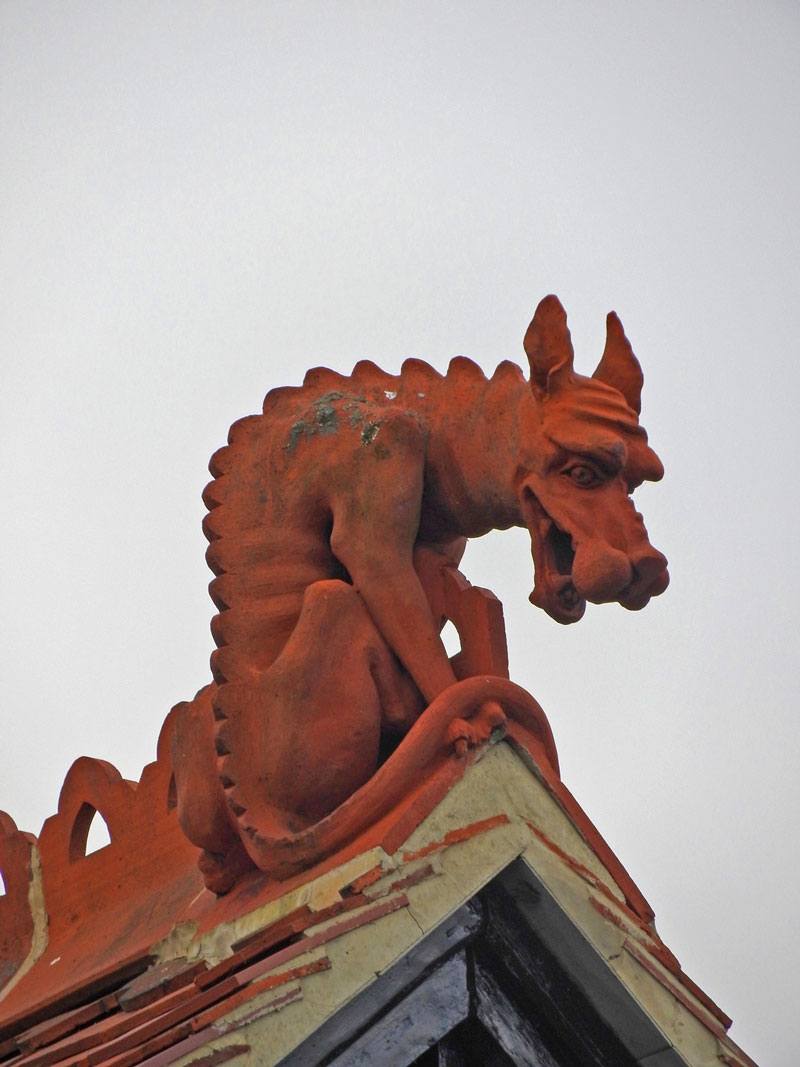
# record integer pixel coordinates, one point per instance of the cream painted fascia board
(499, 784)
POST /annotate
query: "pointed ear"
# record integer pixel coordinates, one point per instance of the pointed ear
(618, 366)
(548, 345)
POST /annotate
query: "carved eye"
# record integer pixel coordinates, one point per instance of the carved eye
(583, 475)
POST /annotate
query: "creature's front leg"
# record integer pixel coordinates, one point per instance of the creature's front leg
(375, 524)
(398, 606)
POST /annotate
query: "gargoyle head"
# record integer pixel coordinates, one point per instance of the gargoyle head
(588, 540)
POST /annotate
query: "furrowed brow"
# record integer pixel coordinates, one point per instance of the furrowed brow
(610, 451)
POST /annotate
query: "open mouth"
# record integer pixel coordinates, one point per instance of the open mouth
(553, 556)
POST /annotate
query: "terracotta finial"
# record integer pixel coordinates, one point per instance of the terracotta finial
(320, 514)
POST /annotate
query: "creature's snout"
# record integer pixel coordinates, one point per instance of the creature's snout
(650, 578)
(602, 574)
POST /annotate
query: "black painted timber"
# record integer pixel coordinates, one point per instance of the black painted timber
(508, 979)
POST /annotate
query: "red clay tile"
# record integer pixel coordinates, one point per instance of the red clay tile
(290, 928)
(358, 885)
(463, 833)
(106, 1029)
(77, 993)
(404, 882)
(59, 1026)
(254, 989)
(703, 1017)
(151, 1031)
(150, 1047)
(158, 981)
(154, 1050)
(274, 1004)
(330, 933)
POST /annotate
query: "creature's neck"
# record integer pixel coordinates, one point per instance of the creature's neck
(473, 457)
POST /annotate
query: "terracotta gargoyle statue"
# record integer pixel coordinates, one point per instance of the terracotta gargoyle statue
(328, 653)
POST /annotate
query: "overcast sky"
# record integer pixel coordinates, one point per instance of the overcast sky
(202, 200)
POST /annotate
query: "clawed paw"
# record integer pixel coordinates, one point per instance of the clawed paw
(491, 717)
(461, 735)
(464, 734)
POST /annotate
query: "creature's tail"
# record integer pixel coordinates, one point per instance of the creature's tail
(426, 747)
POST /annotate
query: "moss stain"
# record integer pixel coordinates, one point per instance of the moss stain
(370, 432)
(354, 413)
(326, 418)
(298, 430)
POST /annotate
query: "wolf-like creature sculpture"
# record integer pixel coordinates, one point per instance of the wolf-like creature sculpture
(326, 644)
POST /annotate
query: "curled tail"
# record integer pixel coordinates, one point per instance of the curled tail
(434, 739)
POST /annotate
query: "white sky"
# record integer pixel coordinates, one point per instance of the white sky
(202, 200)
